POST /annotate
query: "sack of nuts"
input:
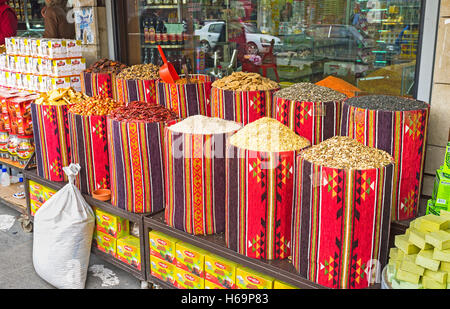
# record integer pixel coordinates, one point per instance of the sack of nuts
(136, 156)
(137, 83)
(243, 97)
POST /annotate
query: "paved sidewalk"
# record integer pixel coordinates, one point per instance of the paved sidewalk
(16, 263)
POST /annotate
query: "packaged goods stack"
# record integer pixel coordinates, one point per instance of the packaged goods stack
(136, 158)
(421, 256)
(51, 131)
(398, 126)
(311, 111)
(112, 236)
(39, 194)
(243, 97)
(186, 97)
(341, 213)
(41, 65)
(137, 83)
(440, 198)
(261, 160)
(99, 79)
(89, 141)
(194, 173)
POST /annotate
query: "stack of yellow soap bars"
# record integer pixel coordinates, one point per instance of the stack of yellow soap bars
(421, 257)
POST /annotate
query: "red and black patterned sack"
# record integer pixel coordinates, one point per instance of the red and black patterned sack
(99, 84)
(340, 226)
(403, 135)
(130, 90)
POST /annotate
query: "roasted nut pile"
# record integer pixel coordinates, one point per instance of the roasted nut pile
(241, 81)
(63, 96)
(140, 72)
(343, 152)
(106, 66)
(267, 134)
(143, 112)
(184, 81)
(95, 106)
(307, 92)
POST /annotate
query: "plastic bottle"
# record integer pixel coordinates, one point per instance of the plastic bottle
(4, 178)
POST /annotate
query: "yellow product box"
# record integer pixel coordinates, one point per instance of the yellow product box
(111, 224)
(187, 280)
(129, 250)
(162, 269)
(39, 194)
(278, 285)
(190, 258)
(249, 279)
(162, 246)
(220, 271)
(213, 286)
(105, 243)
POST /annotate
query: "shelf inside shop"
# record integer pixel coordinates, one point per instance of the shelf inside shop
(282, 270)
(12, 164)
(163, 46)
(6, 198)
(162, 284)
(160, 7)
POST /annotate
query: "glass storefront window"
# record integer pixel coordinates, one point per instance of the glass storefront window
(370, 43)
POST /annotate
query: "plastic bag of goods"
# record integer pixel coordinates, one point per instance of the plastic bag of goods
(63, 229)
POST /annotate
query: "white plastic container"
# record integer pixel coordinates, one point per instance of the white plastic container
(5, 180)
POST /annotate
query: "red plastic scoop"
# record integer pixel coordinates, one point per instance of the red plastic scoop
(167, 72)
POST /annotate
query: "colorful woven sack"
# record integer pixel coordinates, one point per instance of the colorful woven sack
(131, 90)
(195, 182)
(242, 106)
(403, 135)
(316, 121)
(340, 225)
(52, 141)
(136, 161)
(259, 201)
(186, 99)
(99, 84)
(89, 141)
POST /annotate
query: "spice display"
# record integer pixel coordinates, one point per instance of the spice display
(311, 111)
(136, 156)
(195, 171)
(260, 166)
(62, 96)
(97, 106)
(186, 99)
(420, 258)
(307, 92)
(339, 85)
(106, 66)
(341, 201)
(267, 134)
(140, 72)
(343, 152)
(184, 81)
(399, 127)
(241, 81)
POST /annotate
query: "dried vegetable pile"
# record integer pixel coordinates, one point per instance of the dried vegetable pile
(143, 112)
(62, 96)
(98, 106)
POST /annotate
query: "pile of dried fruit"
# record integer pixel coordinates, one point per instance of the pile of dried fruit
(343, 152)
(241, 81)
(140, 72)
(143, 112)
(106, 66)
(62, 96)
(95, 106)
(267, 134)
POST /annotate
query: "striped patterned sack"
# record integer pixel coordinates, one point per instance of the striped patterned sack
(340, 225)
(52, 141)
(242, 106)
(403, 135)
(316, 122)
(195, 182)
(136, 164)
(259, 201)
(89, 141)
(131, 90)
(99, 84)
(186, 100)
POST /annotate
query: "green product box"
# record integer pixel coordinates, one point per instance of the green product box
(447, 159)
(441, 190)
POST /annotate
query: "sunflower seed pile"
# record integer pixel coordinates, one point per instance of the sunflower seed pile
(343, 152)
(386, 102)
(308, 92)
(140, 72)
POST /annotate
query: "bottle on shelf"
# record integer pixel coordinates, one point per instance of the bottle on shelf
(185, 32)
(152, 31)
(165, 36)
(5, 180)
(146, 25)
(159, 32)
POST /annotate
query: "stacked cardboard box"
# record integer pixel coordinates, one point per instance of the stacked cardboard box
(421, 257)
(440, 199)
